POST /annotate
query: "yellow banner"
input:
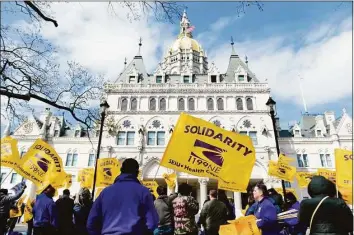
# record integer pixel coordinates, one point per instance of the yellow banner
(328, 174)
(170, 180)
(284, 159)
(229, 229)
(291, 190)
(152, 185)
(40, 161)
(68, 180)
(245, 225)
(282, 171)
(344, 170)
(107, 171)
(17, 212)
(28, 212)
(200, 148)
(9, 152)
(304, 178)
(85, 177)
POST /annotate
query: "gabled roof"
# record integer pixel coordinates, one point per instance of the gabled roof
(234, 63)
(136, 64)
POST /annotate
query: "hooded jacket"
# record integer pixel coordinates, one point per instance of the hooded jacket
(164, 209)
(126, 207)
(333, 217)
(277, 201)
(266, 213)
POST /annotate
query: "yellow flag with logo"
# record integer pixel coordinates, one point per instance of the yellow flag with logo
(282, 171)
(200, 148)
(288, 190)
(28, 212)
(170, 179)
(40, 161)
(344, 173)
(328, 174)
(246, 225)
(85, 177)
(17, 212)
(304, 178)
(9, 152)
(107, 171)
(152, 185)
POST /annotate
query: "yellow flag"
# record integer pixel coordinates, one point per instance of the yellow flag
(98, 191)
(140, 175)
(291, 190)
(28, 212)
(107, 171)
(284, 159)
(304, 178)
(40, 161)
(9, 152)
(85, 177)
(229, 229)
(200, 148)
(282, 171)
(68, 180)
(152, 185)
(170, 180)
(344, 176)
(246, 225)
(17, 212)
(328, 174)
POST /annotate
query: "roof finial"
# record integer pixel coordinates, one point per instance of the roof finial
(140, 44)
(232, 45)
(125, 62)
(246, 60)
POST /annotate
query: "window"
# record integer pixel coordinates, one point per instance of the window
(77, 133)
(213, 78)
(191, 104)
(239, 104)
(22, 153)
(2, 176)
(91, 160)
(131, 79)
(243, 132)
(125, 138)
(15, 178)
(133, 104)
(220, 103)
(297, 132)
(151, 137)
(156, 138)
(124, 106)
(56, 133)
(158, 79)
(185, 79)
(287, 184)
(318, 132)
(181, 104)
(152, 104)
(210, 104)
(71, 159)
(302, 160)
(253, 135)
(241, 78)
(160, 138)
(249, 104)
(326, 160)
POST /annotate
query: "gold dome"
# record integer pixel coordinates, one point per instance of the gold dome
(186, 43)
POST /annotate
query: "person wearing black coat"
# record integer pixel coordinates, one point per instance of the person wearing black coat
(333, 217)
(65, 207)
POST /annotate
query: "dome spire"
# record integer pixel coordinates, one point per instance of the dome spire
(140, 44)
(232, 46)
(185, 24)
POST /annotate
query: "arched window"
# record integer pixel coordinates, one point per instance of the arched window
(210, 104)
(181, 104)
(152, 105)
(162, 104)
(124, 105)
(249, 104)
(133, 104)
(191, 105)
(220, 103)
(239, 104)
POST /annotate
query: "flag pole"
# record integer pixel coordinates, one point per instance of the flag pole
(302, 94)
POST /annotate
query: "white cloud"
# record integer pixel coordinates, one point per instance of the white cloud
(325, 63)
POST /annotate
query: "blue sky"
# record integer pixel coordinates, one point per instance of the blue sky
(285, 40)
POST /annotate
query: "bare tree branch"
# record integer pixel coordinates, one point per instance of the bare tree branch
(34, 8)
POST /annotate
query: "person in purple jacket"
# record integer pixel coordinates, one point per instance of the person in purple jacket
(293, 225)
(126, 207)
(265, 211)
(45, 214)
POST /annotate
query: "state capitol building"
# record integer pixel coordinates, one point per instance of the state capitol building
(145, 106)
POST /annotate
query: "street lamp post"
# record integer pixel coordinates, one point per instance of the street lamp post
(103, 109)
(271, 104)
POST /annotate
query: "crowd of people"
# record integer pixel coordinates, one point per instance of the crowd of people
(129, 208)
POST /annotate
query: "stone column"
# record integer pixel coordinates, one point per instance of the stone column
(203, 182)
(238, 204)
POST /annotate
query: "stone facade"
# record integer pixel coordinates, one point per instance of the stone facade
(144, 109)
